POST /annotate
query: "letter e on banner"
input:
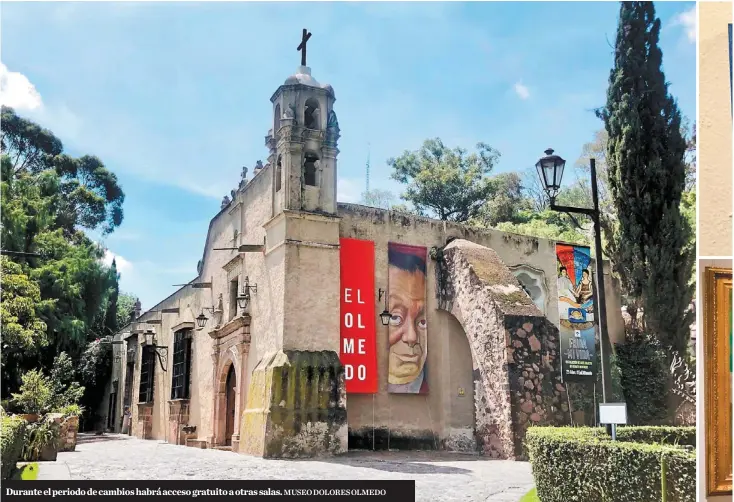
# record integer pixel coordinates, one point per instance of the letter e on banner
(357, 262)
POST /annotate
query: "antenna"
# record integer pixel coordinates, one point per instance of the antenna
(367, 190)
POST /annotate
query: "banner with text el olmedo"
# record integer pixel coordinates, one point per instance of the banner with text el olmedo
(576, 313)
(358, 345)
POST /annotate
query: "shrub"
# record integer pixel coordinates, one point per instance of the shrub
(36, 394)
(584, 465)
(645, 379)
(12, 439)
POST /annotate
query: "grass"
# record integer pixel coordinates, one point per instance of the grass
(531, 496)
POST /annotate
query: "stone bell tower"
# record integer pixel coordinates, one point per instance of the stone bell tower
(296, 400)
(303, 143)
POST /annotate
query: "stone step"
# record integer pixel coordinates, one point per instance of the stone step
(223, 448)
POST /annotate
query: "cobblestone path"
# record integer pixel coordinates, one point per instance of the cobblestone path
(439, 476)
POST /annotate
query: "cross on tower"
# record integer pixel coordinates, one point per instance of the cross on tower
(302, 46)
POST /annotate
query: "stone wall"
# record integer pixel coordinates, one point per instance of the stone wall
(305, 406)
(538, 395)
(178, 418)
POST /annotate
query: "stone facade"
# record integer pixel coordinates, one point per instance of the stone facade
(265, 378)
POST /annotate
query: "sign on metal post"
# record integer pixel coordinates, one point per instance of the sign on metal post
(613, 414)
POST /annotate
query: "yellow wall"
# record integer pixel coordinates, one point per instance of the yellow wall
(714, 130)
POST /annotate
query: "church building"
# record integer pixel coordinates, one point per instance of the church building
(314, 327)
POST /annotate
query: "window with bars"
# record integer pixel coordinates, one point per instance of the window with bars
(181, 364)
(147, 375)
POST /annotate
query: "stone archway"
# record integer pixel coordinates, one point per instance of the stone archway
(514, 348)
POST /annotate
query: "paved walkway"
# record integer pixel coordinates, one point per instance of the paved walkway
(439, 476)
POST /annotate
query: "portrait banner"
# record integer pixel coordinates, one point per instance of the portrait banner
(407, 329)
(358, 344)
(576, 313)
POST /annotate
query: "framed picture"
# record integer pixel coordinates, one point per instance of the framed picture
(717, 337)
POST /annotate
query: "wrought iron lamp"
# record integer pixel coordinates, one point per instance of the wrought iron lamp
(202, 319)
(243, 299)
(149, 341)
(384, 315)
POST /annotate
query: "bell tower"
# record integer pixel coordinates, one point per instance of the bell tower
(296, 398)
(303, 144)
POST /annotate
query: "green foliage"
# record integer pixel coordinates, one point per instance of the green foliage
(12, 438)
(125, 309)
(446, 183)
(584, 465)
(39, 435)
(647, 170)
(23, 330)
(645, 379)
(66, 390)
(71, 410)
(36, 393)
(87, 195)
(546, 225)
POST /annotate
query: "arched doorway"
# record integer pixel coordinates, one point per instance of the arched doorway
(461, 414)
(231, 407)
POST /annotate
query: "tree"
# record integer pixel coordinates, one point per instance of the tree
(645, 157)
(23, 330)
(87, 195)
(446, 183)
(507, 200)
(382, 199)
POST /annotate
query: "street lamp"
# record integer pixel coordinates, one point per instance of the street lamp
(550, 170)
(243, 299)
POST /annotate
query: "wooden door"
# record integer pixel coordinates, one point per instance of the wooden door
(231, 399)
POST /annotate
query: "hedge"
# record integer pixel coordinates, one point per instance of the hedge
(673, 436)
(583, 465)
(12, 439)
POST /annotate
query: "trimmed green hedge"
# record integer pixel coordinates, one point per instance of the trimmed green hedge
(673, 436)
(12, 438)
(584, 465)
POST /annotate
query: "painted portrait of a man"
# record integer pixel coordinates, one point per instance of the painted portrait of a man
(407, 330)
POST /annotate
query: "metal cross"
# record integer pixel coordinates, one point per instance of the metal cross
(302, 46)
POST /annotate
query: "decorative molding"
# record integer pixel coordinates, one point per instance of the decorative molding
(233, 264)
(235, 324)
(183, 325)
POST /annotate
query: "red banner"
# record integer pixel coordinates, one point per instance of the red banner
(358, 347)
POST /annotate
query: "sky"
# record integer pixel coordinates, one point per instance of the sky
(175, 97)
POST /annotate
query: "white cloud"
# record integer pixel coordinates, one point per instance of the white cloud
(122, 264)
(16, 91)
(348, 190)
(687, 20)
(522, 90)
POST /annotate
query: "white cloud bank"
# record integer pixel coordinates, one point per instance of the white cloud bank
(687, 20)
(16, 91)
(522, 90)
(122, 264)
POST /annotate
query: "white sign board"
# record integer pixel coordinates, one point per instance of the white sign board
(613, 413)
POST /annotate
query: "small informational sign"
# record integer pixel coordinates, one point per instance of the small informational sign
(613, 413)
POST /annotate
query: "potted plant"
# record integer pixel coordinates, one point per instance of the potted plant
(42, 441)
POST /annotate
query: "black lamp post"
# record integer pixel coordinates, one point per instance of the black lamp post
(161, 352)
(550, 170)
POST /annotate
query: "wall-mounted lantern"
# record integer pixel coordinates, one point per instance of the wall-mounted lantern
(384, 315)
(243, 299)
(149, 340)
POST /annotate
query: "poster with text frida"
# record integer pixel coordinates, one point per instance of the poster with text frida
(576, 312)
(407, 329)
(358, 345)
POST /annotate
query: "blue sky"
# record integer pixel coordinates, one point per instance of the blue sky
(175, 97)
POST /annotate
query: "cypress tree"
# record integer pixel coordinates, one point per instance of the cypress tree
(647, 173)
(110, 321)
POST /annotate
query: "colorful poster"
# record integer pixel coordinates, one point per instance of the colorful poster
(358, 347)
(576, 312)
(407, 329)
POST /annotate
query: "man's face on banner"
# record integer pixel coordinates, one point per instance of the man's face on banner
(407, 330)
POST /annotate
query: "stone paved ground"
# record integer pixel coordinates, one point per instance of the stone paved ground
(438, 476)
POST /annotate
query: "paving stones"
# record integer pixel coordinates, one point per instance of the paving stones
(439, 476)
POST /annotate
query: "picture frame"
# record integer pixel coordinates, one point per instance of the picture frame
(717, 338)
